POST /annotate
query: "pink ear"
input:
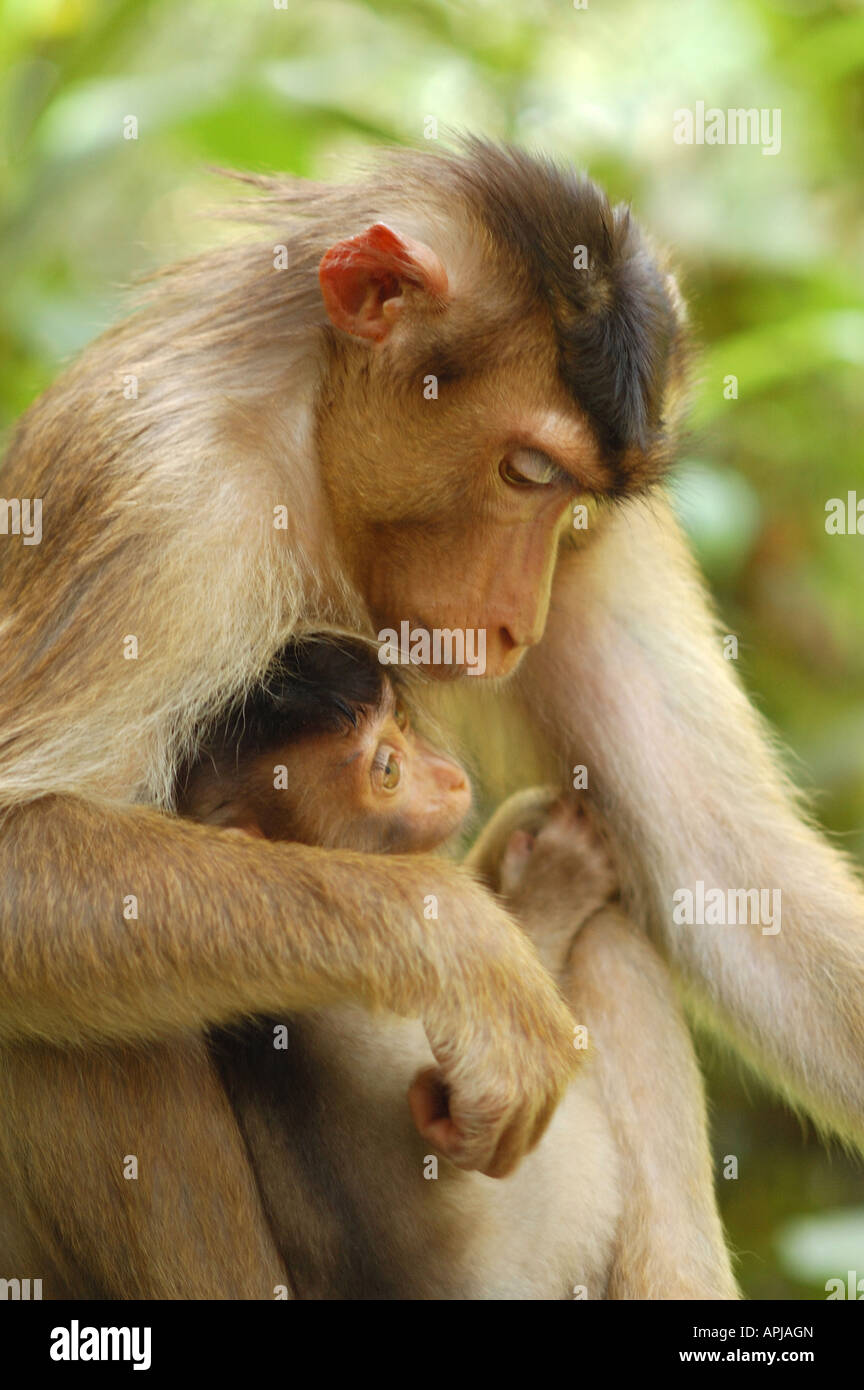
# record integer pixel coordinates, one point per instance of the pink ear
(363, 279)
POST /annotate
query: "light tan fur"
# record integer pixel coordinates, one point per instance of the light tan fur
(615, 1202)
(158, 518)
(158, 522)
(630, 680)
(669, 1241)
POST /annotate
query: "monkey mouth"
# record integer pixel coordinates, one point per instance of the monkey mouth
(446, 673)
(445, 653)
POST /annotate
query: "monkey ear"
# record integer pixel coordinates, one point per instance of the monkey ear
(364, 280)
(244, 827)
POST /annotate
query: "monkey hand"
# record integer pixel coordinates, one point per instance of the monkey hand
(561, 860)
(547, 855)
(505, 1054)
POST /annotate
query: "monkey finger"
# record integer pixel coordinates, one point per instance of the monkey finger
(466, 1143)
(512, 1147)
(521, 1136)
(541, 1122)
(515, 860)
(429, 1103)
(474, 1145)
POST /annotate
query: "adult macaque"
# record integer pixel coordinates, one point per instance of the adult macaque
(261, 400)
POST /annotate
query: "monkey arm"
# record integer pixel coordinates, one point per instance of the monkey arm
(670, 1242)
(228, 927)
(629, 680)
(187, 1224)
(553, 864)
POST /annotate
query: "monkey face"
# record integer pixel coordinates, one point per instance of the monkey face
(475, 390)
(452, 510)
(375, 787)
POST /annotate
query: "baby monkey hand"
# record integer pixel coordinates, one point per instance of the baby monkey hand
(548, 856)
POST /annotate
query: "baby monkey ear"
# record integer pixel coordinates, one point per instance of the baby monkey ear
(366, 280)
(247, 828)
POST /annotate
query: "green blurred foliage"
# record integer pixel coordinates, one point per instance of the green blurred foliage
(768, 249)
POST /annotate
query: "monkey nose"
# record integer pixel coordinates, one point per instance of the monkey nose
(455, 780)
(504, 653)
(454, 784)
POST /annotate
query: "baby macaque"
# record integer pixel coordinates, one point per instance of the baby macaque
(322, 754)
(617, 1199)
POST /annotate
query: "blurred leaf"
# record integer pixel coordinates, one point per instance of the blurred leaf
(825, 1246)
(766, 356)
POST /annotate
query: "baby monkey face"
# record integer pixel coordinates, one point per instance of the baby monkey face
(377, 786)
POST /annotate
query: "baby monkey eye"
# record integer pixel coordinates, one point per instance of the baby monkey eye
(528, 468)
(386, 769)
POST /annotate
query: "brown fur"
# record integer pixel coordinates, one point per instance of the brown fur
(158, 522)
(326, 1133)
(618, 1197)
(189, 1224)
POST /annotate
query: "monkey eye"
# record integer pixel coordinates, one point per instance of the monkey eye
(528, 468)
(386, 769)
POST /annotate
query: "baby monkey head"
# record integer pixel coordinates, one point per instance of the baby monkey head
(323, 752)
